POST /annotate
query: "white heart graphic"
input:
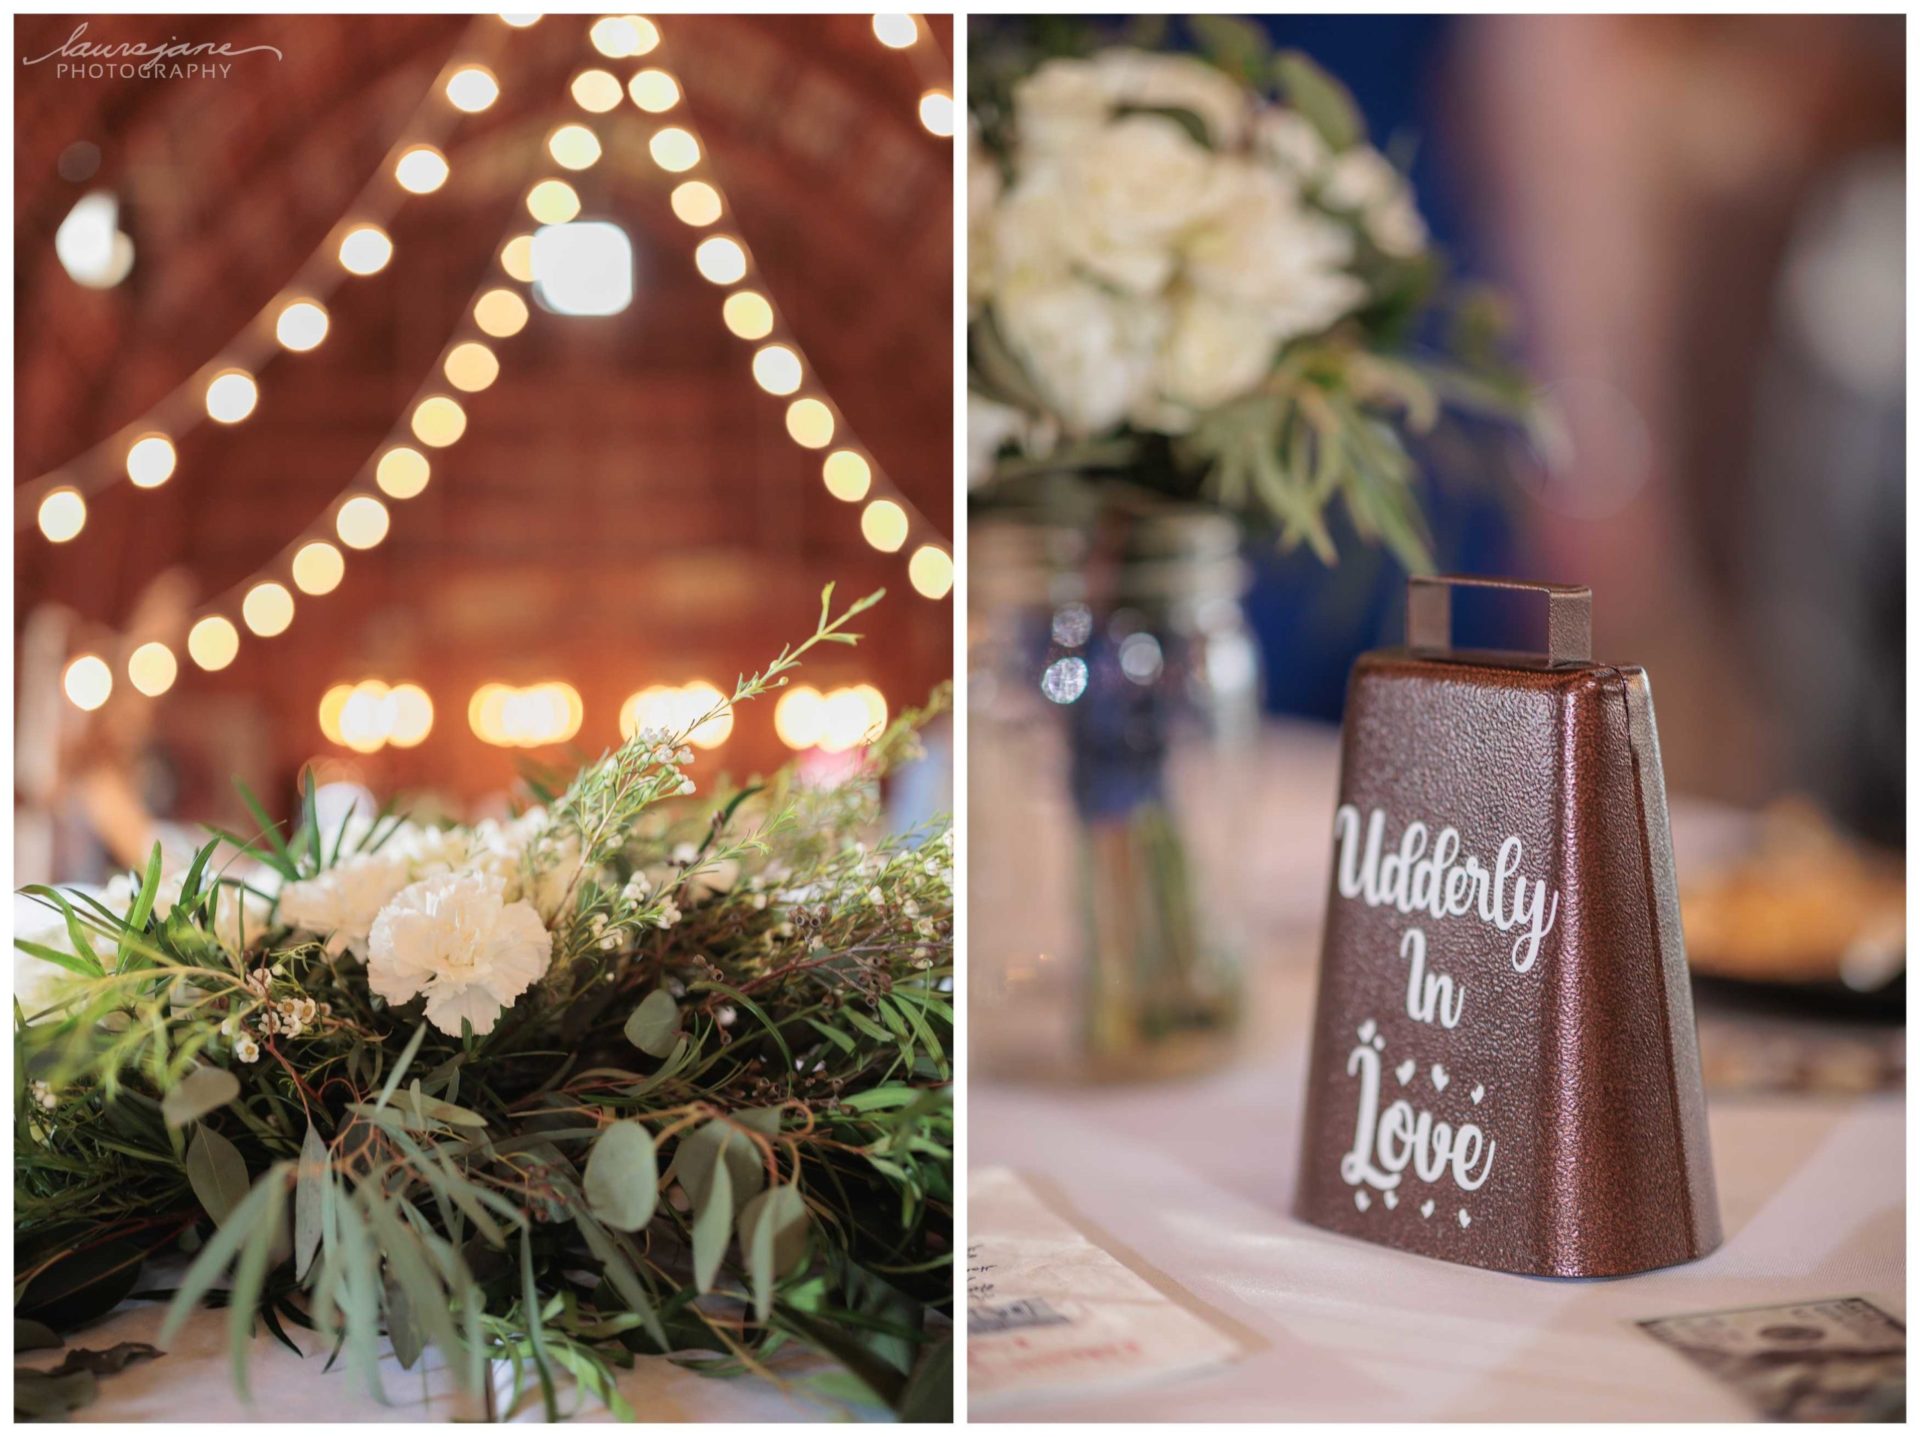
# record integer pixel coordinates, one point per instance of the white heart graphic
(1440, 1078)
(1367, 1030)
(1465, 1219)
(1361, 1200)
(1405, 1072)
(1477, 1094)
(1426, 1208)
(1379, 1043)
(1390, 1198)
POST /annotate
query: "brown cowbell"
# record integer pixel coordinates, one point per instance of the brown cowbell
(1504, 1068)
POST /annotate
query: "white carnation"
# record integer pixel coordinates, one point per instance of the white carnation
(456, 939)
(340, 903)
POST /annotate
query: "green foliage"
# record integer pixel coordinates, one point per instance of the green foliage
(726, 1135)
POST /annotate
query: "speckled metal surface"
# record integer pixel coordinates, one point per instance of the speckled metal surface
(1580, 1074)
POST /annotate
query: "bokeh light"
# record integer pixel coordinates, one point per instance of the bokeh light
(301, 326)
(365, 249)
(748, 314)
(63, 514)
(402, 472)
(848, 476)
(439, 421)
(150, 461)
(883, 524)
(88, 681)
(267, 609)
(421, 169)
(318, 568)
(362, 522)
(152, 668)
(231, 395)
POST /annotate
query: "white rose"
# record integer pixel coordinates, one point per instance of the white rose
(1288, 140)
(1141, 79)
(457, 940)
(1359, 179)
(1268, 251)
(1216, 351)
(1090, 353)
(1058, 106)
(1131, 191)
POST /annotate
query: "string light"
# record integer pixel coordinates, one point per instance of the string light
(152, 668)
(267, 609)
(654, 91)
(365, 249)
(675, 708)
(847, 476)
(318, 568)
(573, 147)
(509, 717)
(883, 524)
(521, 22)
(596, 91)
(936, 113)
(720, 259)
(421, 170)
(88, 682)
(747, 314)
(439, 421)
(516, 258)
(500, 313)
(674, 149)
(301, 326)
(213, 643)
(402, 473)
(810, 423)
(696, 203)
(930, 571)
(833, 722)
(622, 37)
(896, 32)
(231, 396)
(150, 461)
(776, 369)
(369, 715)
(417, 164)
(472, 89)
(472, 367)
(63, 514)
(553, 202)
(362, 522)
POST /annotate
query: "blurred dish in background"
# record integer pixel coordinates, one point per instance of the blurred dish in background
(1806, 904)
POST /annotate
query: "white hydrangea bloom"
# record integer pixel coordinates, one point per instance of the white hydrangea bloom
(456, 939)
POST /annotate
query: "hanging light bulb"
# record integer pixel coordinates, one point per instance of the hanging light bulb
(150, 461)
(268, 609)
(63, 514)
(88, 682)
(362, 522)
(301, 326)
(152, 668)
(365, 249)
(318, 568)
(402, 472)
(930, 571)
(421, 170)
(438, 422)
(213, 642)
(231, 395)
(472, 88)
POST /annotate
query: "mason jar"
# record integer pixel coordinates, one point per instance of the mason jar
(1114, 703)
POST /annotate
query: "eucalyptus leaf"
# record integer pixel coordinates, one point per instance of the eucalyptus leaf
(654, 1026)
(199, 1093)
(309, 1198)
(773, 1239)
(712, 1226)
(216, 1172)
(622, 1180)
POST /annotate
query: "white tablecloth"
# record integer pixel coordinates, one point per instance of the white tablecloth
(193, 1382)
(1191, 1182)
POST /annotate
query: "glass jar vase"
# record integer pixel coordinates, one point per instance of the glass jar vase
(1114, 702)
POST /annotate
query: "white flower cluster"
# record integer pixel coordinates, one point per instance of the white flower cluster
(1142, 274)
(270, 1017)
(459, 914)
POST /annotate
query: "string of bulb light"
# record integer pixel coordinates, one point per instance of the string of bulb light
(360, 515)
(226, 389)
(888, 519)
(372, 714)
(904, 32)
